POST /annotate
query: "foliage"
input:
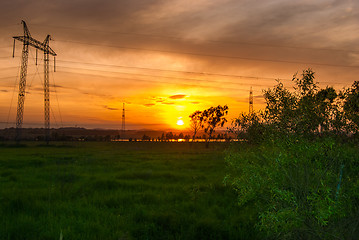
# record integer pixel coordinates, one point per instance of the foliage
(301, 189)
(250, 127)
(195, 123)
(307, 111)
(280, 107)
(208, 120)
(351, 105)
(316, 107)
(212, 118)
(301, 180)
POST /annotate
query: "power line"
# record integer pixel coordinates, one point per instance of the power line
(174, 71)
(168, 77)
(158, 82)
(10, 25)
(209, 41)
(5, 47)
(11, 67)
(212, 55)
(179, 71)
(9, 77)
(57, 99)
(4, 68)
(12, 98)
(166, 70)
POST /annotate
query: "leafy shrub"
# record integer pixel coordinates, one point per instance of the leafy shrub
(301, 189)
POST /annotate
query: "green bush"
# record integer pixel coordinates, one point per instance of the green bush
(300, 189)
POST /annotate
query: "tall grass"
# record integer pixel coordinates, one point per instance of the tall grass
(118, 191)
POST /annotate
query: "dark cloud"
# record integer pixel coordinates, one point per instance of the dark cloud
(149, 104)
(168, 103)
(3, 90)
(110, 108)
(59, 86)
(177, 96)
(258, 96)
(231, 23)
(157, 99)
(80, 12)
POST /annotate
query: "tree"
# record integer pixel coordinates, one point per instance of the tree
(328, 110)
(249, 126)
(305, 86)
(146, 138)
(208, 120)
(280, 107)
(351, 105)
(195, 123)
(305, 111)
(169, 136)
(212, 118)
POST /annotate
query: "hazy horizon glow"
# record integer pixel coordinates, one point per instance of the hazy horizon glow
(165, 60)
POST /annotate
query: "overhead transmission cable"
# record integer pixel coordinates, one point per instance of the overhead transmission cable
(213, 55)
(167, 77)
(174, 71)
(188, 39)
(153, 81)
(12, 97)
(57, 99)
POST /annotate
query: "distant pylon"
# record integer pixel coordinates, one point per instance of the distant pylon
(251, 101)
(123, 129)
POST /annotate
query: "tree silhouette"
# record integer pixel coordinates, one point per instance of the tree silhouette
(212, 118)
(195, 123)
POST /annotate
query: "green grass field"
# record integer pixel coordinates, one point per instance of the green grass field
(118, 190)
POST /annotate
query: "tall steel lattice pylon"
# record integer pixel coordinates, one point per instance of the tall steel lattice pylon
(251, 101)
(123, 129)
(43, 46)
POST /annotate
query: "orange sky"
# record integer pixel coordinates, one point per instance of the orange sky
(166, 59)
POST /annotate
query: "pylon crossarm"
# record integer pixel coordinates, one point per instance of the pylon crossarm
(36, 44)
(26, 29)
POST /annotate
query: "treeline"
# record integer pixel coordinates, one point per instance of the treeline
(60, 134)
(107, 135)
(170, 136)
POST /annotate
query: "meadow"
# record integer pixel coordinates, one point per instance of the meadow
(118, 190)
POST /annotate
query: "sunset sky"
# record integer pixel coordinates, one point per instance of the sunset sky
(166, 59)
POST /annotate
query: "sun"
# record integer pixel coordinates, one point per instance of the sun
(180, 122)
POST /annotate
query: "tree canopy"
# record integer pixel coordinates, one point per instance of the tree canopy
(208, 120)
(301, 175)
(306, 110)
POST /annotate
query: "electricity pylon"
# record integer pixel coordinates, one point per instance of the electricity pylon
(251, 101)
(43, 46)
(123, 121)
